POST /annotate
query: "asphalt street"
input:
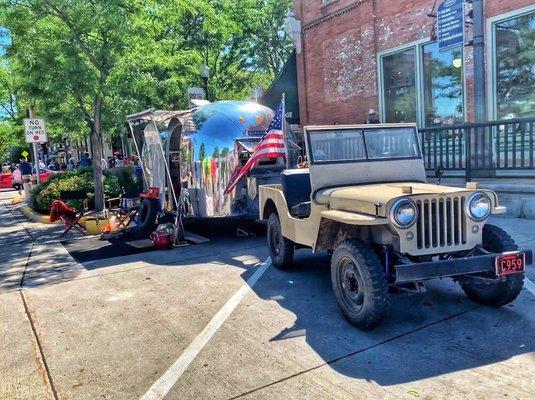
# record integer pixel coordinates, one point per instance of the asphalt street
(216, 321)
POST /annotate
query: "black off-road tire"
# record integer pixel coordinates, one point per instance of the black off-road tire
(146, 218)
(494, 294)
(281, 249)
(374, 297)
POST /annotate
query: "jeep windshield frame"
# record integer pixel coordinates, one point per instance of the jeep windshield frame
(362, 143)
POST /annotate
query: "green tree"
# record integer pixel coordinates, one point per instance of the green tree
(67, 50)
(85, 64)
(11, 132)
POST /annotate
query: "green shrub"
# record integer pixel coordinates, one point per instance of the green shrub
(77, 179)
(126, 177)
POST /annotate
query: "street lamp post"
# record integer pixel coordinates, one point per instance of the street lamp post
(205, 75)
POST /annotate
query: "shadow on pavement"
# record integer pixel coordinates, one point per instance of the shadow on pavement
(424, 335)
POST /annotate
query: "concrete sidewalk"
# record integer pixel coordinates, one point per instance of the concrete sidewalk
(111, 328)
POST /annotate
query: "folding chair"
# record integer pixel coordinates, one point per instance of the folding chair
(81, 197)
(129, 204)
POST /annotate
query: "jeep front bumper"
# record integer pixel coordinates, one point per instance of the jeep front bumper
(451, 267)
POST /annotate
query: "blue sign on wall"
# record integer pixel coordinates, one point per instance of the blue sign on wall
(450, 24)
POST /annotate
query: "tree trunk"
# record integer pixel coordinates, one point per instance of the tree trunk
(96, 150)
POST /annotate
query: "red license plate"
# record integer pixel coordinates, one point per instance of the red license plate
(510, 263)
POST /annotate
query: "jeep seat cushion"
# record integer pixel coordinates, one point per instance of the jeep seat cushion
(296, 186)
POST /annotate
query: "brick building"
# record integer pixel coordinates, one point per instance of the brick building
(354, 55)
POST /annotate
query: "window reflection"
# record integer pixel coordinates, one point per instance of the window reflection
(515, 66)
(443, 85)
(400, 86)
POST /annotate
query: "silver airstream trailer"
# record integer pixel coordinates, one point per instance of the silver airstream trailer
(190, 156)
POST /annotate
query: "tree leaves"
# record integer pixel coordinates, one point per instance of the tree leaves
(135, 54)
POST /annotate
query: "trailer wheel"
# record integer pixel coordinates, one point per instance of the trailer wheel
(498, 293)
(281, 249)
(359, 284)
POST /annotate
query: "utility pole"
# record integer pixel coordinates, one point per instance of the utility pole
(479, 61)
(481, 139)
(35, 151)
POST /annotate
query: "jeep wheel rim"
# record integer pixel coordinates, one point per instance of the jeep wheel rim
(274, 241)
(351, 284)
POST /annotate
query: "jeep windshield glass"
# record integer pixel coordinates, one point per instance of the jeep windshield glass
(391, 143)
(362, 144)
(342, 145)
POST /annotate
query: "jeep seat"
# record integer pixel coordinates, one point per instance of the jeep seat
(296, 187)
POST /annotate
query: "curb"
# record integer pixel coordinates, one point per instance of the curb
(36, 217)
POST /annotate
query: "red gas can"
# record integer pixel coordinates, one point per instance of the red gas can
(162, 240)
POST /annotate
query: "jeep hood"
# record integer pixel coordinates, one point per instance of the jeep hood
(363, 198)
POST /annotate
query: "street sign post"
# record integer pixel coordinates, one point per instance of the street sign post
(450, 24)
(196, 93)
(35, 131)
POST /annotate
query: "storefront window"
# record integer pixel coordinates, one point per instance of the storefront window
(515, 66)
(442, 85)
(399, 86)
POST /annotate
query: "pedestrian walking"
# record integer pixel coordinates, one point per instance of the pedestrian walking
(17, 179)
(25, 167)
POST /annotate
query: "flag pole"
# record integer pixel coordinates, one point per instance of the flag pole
(284, 128)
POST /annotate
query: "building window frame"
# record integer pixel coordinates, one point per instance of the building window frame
(417, 45)
(492, 101)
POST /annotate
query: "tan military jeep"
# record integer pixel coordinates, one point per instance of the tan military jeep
(365, 198)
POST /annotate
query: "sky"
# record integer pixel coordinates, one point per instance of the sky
(4, 39)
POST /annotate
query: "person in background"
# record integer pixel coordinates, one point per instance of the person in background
(85, 160)
(17, 179)
(118, 161)
(103, 163)
(25, 167)
(372, 117)
(138, 169)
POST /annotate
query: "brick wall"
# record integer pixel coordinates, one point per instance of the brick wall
(337, 69)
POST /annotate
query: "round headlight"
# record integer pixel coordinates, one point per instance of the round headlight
(403, 213)
(478, 207)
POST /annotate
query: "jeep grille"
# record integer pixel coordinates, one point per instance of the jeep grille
(441, 222)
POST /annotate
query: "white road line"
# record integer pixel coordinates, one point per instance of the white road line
(528, 284)
(163, 385)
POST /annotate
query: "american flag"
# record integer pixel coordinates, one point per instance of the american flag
(271, 146)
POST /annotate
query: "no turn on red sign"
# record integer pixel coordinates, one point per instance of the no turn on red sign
(35, 130)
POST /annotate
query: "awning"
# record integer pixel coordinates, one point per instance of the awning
(285, 83)
(162, 117)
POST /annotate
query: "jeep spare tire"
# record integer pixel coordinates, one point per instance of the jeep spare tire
(359, 284)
